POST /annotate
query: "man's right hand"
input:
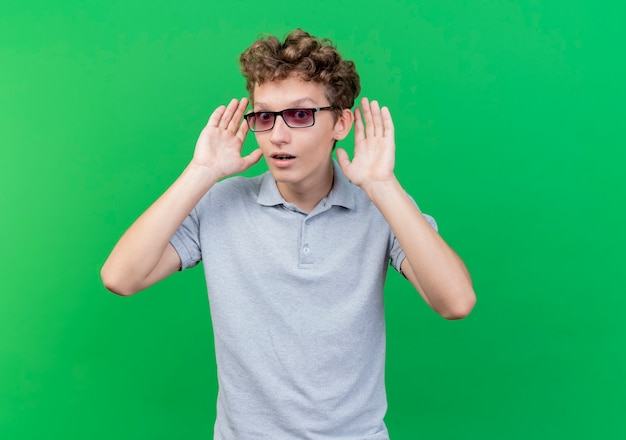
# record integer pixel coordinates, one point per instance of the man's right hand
(144, 255)
(219, 146)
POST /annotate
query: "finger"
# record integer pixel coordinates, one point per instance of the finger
(216, 116)
(377, 118)
(231, 108)
(242, 131)
(238, 115)
(387, 122)
(370, 129)
(359, 133)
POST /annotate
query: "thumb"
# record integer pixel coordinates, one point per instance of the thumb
(342, 158)
(252, 158)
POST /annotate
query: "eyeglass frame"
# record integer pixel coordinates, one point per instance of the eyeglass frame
(280, 113)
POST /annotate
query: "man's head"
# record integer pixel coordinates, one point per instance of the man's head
(306, 57)
(301, 92)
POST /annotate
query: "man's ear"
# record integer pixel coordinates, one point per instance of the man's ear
(343, 124)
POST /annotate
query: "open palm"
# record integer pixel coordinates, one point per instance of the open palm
(374, 146)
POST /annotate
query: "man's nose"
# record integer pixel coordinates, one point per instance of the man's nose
(280, 132)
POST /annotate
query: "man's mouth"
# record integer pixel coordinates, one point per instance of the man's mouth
(282, 156)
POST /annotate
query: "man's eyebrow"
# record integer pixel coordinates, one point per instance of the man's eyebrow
(294, 104)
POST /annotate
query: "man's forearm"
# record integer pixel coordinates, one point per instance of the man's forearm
(140, 249)
(434, 268)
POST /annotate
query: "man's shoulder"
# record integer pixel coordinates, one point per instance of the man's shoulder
(236, 183)
(234, 189)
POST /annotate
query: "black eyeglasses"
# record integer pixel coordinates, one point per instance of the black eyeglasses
(293, 117)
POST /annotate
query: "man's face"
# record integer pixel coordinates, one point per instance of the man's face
(298, 158)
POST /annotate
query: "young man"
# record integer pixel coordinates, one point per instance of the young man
(295, 259)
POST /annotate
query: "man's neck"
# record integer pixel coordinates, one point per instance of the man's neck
(307, 194)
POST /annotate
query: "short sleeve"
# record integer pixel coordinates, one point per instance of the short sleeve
(186, 241)
(397, 254)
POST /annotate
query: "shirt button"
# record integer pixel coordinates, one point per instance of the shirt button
(306, 249)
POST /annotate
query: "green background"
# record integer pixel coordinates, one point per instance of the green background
(510, 131)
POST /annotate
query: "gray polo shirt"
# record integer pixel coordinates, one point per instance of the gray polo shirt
(296, 302)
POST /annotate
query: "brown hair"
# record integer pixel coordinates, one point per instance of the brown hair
(307, 57)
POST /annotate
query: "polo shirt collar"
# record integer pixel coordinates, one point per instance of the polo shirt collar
(341, 194)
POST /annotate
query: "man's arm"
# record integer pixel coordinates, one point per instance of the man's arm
(431, 266)
(144, 255)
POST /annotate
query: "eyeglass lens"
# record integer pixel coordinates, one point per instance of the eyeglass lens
(295, 118)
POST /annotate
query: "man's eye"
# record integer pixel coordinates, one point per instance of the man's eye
(302, 114)
(264, 116)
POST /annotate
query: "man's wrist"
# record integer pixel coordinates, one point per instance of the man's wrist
(381, 189)
(201, 175)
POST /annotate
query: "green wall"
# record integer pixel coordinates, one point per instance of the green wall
(510, 131)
